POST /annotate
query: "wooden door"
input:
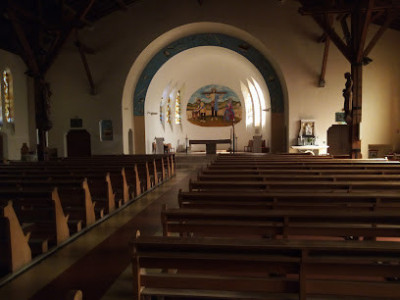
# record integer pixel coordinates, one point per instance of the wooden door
(78, 143)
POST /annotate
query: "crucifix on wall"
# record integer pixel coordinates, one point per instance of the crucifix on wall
(214, 105)
(213, 96)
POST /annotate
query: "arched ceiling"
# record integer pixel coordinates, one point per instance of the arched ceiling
(201, 66)
(210, 39)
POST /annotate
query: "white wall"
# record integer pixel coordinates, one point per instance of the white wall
(278, 30)
(14, 137)
(189, 71)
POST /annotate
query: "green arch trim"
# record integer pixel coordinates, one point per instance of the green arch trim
(210, 39)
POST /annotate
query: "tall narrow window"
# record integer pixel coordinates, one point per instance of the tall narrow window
(262, 101)
(256, 103)
(178, 108)
(248, 104)
(162, 111)
(168, 113)
(1, 106)
(8, 97)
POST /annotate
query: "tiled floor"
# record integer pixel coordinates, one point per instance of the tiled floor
(98, 261)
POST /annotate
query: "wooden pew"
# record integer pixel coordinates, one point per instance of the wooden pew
(101, 192)
(232, 268)
(294, 185)
(261, 159)
(143, 171)
(161, 169)
(133, 181)
(145, 164)
(14, 248)
(141, 161)
(295, 171)
(281, 223)
(74, 295)
(270, 156)
(41, 209)
(296, 177)
(311, 162)
(74, 195)
(115, 171)
(100, 185)
(307, 200)
(114, 176)
(303, 165)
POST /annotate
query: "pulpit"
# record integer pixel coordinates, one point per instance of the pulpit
(159, 145)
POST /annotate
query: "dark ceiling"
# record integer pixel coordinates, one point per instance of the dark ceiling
(37, 29)
(381, 9)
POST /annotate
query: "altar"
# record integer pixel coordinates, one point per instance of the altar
(211, 145)
(314, 149)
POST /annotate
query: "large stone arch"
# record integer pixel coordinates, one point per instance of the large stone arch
(196, 35)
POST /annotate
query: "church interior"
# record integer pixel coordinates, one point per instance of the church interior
(199, 149)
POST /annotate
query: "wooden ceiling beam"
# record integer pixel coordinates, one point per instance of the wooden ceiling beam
(377, 15)
(66, 34)
(121, 4)
(343, 10)
(69, 9)
(86, 10)
(364, 30)
(333, 36)
(324, 63)
(389, 19)
(28, 52)
(345, 29)
(322, 38)
(27, 15)
(86, 66)
(321, 83)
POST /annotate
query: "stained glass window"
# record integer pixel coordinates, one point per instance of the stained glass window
(162, 111)
(168, 114)
(178, 108)
(1, 109)
(8, 97)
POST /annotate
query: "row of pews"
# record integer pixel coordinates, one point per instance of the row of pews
(277, 227)
(43, 204)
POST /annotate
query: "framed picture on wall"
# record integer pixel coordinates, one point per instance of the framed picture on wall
(76, 123)
(106, 130)
(339, 117)
(307, 128)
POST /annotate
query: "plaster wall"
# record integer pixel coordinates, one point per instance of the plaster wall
(13, 137)
(288, 38)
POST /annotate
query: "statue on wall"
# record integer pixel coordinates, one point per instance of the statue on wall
(348, 95)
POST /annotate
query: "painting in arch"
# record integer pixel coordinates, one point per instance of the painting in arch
(214, 105)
